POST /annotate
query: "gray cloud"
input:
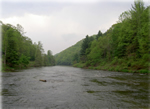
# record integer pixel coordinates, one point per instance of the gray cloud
(59, 25)
(69, 37)
(19, 8)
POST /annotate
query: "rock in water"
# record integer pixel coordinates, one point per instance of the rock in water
(42, 80)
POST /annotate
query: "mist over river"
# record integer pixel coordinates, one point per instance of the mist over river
(74, 88)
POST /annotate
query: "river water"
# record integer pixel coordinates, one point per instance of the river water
(74, 88)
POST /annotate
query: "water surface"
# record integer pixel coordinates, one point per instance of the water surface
(74, 88)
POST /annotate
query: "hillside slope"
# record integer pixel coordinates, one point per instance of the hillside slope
(70, 55)
(124, 47)
(66, 56)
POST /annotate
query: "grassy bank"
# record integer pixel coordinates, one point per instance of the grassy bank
(17, 67)
(114, 67)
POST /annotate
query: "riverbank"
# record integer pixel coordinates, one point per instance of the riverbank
(110, 67)
(19, 67)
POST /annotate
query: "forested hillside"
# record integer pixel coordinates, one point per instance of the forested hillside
(123, 47)
(66, 57)
(71, 55)
(18, 50)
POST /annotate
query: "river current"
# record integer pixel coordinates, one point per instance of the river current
(74, 88)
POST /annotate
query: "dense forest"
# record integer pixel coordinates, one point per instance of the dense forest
(18, 50)
(123, 47)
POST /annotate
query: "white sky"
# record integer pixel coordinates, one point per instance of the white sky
(59, 24)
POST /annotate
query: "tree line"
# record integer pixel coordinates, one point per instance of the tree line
(18, 50)
(123, 47)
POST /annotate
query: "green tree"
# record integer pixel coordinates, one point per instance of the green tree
(99, 34)
(18, 50)
(50, 57)
(84, 46)
(45, 60)
(24, 60)
(76, 58)
(38, 54)
(11, 46)
(4, 42)
(136, 24)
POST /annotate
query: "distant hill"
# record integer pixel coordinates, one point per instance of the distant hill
(66, 56)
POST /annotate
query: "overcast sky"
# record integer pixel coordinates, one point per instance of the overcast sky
(59, 24)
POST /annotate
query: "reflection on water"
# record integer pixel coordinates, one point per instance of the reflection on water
(5, 92)
(74, 88)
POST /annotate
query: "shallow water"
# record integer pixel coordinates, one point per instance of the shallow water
(74, 88)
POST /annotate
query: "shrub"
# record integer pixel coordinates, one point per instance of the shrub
(124, 70)
(115, 61)
(144, 71)
(117, 68)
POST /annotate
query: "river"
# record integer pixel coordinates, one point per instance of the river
(74, 88)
